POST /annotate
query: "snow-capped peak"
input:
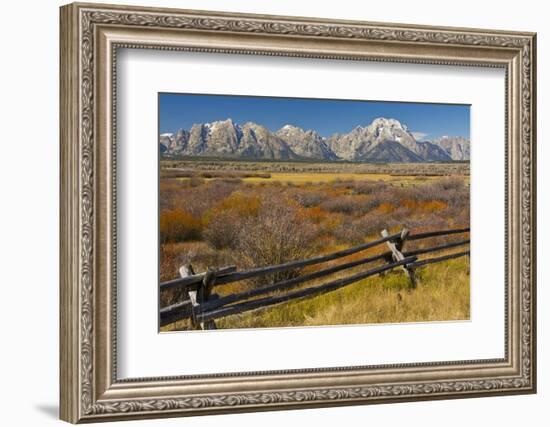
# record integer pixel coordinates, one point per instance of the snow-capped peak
(214, 126)
(291, 128)
(382, 122)
(384, 139)
(227, 121)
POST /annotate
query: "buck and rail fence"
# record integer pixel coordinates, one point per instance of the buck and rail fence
(202, 307)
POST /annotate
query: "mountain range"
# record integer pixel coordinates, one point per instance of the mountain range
(384, 140)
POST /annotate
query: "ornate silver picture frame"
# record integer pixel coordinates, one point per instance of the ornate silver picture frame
(91, 37)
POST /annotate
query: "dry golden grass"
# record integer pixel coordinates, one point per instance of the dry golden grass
(405, 169)
(300, 173)
(303, 178)
(299, 178)
(442, 294)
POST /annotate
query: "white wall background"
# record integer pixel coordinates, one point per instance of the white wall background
(29, 170)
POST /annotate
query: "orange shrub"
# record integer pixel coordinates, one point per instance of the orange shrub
(178, 225)
(314, 214)
(386, 208)
(433, 205)
(424, 205)
(409, 204)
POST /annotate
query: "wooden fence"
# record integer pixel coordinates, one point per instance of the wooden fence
(202, 307)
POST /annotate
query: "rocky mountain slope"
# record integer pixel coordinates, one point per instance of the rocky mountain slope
(456, 146)
(384, 140)
(307, 144)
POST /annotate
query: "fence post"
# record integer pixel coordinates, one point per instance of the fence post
(185, 271)
(199, 296)
(204, 293)
(395, 247)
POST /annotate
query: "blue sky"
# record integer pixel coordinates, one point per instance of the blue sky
(426, 121)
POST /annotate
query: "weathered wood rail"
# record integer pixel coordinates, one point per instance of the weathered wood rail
(202, 307)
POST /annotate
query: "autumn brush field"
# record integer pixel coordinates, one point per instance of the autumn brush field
(253, 214)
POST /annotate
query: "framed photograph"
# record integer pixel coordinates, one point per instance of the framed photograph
(267, 212)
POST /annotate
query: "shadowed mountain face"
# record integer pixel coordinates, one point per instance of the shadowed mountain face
(384, 140)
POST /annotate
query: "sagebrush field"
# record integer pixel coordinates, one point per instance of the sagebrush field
(249, 214)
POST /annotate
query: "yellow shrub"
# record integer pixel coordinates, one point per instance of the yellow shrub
(240, 203)
(330, 224)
